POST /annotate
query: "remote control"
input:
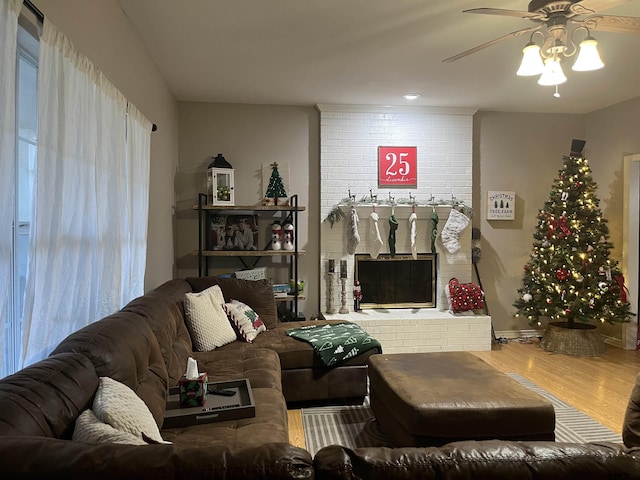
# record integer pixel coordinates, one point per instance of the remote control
(223, 392)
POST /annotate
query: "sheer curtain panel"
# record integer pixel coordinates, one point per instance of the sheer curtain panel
(87, 258)
(9, 11)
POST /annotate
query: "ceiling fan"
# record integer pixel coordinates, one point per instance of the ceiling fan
(556, 15)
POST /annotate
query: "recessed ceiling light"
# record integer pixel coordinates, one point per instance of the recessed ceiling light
(411, 96)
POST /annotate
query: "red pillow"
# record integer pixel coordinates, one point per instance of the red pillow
(465, 296)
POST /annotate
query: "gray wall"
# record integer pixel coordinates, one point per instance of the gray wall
(523, 152)
(250, 136)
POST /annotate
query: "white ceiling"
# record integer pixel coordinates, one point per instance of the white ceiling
(367, 52)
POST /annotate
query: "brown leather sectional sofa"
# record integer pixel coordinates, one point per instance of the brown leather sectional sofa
(146, 346)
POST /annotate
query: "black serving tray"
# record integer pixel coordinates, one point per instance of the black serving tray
(217, 408)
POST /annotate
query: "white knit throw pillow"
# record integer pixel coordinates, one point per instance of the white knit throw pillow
(206, 319)
(89, 429)
(119, 406)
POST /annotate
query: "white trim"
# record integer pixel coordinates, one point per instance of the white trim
(327, 107)
(630, 244)
(616, 342)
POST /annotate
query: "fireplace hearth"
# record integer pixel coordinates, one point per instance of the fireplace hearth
(398, 282)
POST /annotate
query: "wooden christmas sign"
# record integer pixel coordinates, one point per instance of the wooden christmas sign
(397, 167)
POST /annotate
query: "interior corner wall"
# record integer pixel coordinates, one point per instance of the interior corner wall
(612, 133)
(519, 152)
(250, 136)
(101, 31)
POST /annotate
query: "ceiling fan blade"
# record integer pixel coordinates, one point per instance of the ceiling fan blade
(508, 13)
(600, 5)
(612, 23)
(517, 33)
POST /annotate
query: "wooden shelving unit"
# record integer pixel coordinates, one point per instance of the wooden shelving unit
(204, 252)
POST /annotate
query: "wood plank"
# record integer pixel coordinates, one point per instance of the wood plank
(597, 386)
(249, 253)
(296, 432)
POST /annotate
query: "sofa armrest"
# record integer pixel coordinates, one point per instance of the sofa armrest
(487, 459)
(42, 457)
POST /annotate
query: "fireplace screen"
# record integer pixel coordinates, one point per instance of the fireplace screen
(399, 282)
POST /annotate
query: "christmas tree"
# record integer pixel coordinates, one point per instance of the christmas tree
(570, 276)
(275, 190)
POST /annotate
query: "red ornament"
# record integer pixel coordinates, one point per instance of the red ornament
(562, 274)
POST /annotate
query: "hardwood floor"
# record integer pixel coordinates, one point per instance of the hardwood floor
(597, 386)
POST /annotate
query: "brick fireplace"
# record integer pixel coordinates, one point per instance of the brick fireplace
(349, 140)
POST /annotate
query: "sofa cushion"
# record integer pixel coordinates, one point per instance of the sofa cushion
(119, 406)
(258, 294)
(66, 381)
(122, 346)
(90, 429)
(246, 320)
(295, 354)
(163, 310)
(206, 319)
(631, 423)
(242, 360)
(268, 426)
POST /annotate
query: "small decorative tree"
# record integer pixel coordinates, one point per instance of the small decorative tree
(570, 276)
(275, 193)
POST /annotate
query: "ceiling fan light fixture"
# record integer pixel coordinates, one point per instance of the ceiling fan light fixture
(411, 96)
(531, 61)
(588, 57)
(552, 73)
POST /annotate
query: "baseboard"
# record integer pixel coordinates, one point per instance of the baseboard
(518, 333)
(616, 342)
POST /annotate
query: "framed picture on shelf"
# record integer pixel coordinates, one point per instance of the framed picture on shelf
(234, 232)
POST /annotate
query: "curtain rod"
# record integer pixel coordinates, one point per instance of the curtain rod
(40, 17)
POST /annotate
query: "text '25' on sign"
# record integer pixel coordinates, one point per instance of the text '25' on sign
(397, 167)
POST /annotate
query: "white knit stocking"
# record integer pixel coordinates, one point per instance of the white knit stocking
(450, 235)
(412, 228)
(353, 237)
(376, 240)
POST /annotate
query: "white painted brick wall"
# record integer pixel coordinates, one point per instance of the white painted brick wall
(423, 330)
(349, 141)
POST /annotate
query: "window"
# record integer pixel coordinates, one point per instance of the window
(26, 130)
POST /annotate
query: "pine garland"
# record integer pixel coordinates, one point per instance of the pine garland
(336, 214)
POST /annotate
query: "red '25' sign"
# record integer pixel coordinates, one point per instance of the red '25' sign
(397, 166)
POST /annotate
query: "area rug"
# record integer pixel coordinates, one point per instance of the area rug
(355, 426)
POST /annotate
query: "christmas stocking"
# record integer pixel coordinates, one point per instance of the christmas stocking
(412, 228)
(434, 230)
(450, 235)
(393, 226)
(376, 240)
(353, 236)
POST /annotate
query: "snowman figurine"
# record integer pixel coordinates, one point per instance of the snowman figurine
(288, 237)
(276, 236)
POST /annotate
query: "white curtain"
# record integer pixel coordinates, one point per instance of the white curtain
(87, 255)
(9, 11)
(138, 147)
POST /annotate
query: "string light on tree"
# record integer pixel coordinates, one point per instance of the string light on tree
(569, 275)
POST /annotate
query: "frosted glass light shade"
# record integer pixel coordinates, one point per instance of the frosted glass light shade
(552, 73)
(531, 61)
(588, 56)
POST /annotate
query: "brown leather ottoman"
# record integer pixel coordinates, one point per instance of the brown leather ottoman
(430, 399)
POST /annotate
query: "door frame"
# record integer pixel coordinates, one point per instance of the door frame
(631, 244)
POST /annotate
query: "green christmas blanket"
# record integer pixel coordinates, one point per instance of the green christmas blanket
(336, 342)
